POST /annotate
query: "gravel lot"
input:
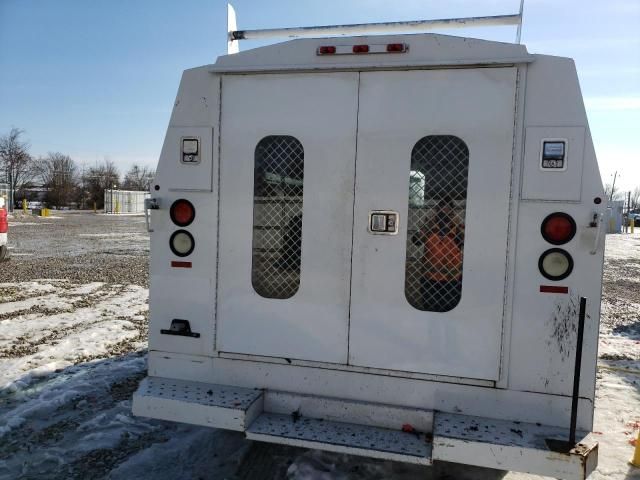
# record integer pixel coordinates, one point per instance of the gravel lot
(73, 329)
(79, 247)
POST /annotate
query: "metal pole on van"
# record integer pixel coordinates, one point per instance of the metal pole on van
(414, 26)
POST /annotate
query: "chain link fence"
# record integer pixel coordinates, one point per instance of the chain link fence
(124, 201)
(437, 207)
(277, 216)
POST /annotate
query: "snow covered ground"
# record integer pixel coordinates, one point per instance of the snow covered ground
(72, 354)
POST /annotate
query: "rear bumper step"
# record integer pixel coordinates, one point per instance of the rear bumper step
(341, 437)
(506, 445)
(323, 423)
(219, 406)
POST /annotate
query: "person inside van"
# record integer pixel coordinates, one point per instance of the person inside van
(442, 238)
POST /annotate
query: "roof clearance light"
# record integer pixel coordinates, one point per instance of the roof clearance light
(182, 212)
(558, 228)
(326, 50)
(396, 47)
(555, 264)
(182, 243)
(361, 49)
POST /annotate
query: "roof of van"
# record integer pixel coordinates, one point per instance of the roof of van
(423, 50)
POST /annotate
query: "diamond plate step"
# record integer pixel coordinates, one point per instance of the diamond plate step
(507, 445)
(197, 403)
(341, 437)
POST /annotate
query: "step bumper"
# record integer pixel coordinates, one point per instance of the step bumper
(219, 406)
(341, 437)
(367, 429)
(516, 446)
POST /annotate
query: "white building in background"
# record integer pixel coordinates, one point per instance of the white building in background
(614, 216)
(124, 201)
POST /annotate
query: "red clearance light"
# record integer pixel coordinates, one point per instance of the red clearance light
(361, 49)
(396, 47)
(326, 50)
(558, 228)
(182, 212)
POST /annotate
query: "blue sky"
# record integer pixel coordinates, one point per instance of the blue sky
(97, 79)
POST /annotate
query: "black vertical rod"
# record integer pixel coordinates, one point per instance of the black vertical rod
(576, 373)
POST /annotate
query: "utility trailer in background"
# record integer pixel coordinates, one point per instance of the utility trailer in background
(297, 294)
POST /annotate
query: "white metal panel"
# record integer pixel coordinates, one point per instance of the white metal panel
(322, 381)
(194, 305)
(544, 325)
(320, 111)
(358, 369)
(182, 293)
(566, 184)
(514, 446)
(341, 410)
(424, 50)
(396, 110)
(176, 175)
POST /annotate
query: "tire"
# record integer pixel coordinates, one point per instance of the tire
(3, 252)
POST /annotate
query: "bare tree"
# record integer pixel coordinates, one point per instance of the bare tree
(612, 192)
(138, 178)
(635, 198)
(101, 178)
(58, 173)
(15, 161)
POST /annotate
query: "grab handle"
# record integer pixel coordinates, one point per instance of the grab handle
(599, 219)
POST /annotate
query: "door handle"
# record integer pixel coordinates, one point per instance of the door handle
(383, 222)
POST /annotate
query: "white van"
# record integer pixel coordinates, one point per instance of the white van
(378, 245)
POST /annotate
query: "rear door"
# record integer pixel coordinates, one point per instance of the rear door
(286, 214)
(427, 141)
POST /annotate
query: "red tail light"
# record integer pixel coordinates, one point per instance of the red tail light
(361, 49)
(4, 224)
(182, 212)
(558, 228)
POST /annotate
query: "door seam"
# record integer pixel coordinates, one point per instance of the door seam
(353, 222)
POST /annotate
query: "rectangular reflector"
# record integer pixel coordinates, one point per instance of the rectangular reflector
(181, 264)
(553, 289)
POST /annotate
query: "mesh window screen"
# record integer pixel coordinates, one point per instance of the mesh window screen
(435, 224)
(277, 216)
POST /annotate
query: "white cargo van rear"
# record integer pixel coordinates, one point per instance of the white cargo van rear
(380, 245)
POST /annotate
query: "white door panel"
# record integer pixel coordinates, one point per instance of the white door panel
(320, 111)
(396, 110)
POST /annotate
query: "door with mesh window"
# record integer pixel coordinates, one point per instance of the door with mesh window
(286, 215)
(435, 150)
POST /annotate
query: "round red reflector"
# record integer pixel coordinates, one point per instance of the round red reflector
(182, 212)
(558, 228)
